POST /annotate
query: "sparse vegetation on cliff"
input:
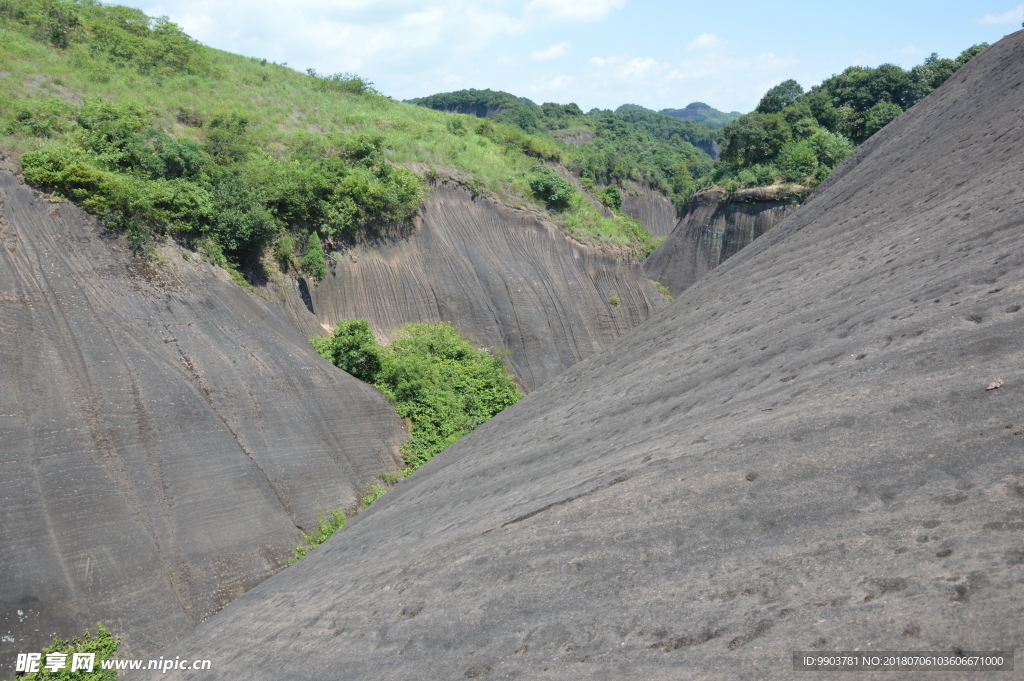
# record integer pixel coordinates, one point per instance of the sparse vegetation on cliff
(327, 524)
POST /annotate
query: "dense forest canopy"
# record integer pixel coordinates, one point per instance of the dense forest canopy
(800, 136)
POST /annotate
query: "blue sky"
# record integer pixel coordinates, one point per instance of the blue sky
(597, 53)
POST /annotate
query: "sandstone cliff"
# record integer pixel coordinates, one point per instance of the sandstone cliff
(650, 206)
(502, 276)
(711, 230)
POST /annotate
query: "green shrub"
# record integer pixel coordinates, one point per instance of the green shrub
(611, 197)
(42, 118)
(103, 645)
(551, 188)
(313, 262)
(434, 377)
(353, 348)
(348, 83)
(283, 251)
(326, 526)
(614, 299)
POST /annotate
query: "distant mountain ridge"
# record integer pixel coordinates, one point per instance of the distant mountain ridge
(694, 111)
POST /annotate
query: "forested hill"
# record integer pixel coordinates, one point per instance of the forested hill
(793, 138)
(694, 111)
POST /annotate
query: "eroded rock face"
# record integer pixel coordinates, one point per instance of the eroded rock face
(800, 453)
(502, 276)
(164, 434)
(651, 207)
(711, 231)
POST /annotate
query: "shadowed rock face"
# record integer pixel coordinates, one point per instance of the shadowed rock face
(499, 275)
(163, 435)
(711, 231)
(799, 453)
(651, 207)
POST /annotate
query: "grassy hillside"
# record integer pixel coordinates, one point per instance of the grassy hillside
(608, 147)
(163, 137)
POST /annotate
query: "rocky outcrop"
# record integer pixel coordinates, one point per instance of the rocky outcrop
(712, 230)
(504, 277)
(164, 434)
(649, 206)
(799, 454)
(576, 139)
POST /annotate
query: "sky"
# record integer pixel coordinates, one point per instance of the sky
(597, 53)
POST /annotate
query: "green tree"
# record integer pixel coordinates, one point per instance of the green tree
(798, 162)
(444, 385)
(313, 263)
(879, 116)
(829, 148)
(780, 97)
(434, 377)
(755, 138)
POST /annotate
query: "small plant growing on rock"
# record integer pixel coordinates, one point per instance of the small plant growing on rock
(374, 493)
(326, 526)
(614, 299)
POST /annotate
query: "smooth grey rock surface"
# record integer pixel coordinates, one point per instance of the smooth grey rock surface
(503, 277)
(164, 434)
(799, 453)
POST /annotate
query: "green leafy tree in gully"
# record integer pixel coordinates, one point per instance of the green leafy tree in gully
(313, 263)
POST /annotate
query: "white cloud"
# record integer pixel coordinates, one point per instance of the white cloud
(703, 42)
(910, 51)
(712, 71)
(1009, 17)
(634, 70)
(345, 35)
(573, 11)
(551, 85)
(553, 52)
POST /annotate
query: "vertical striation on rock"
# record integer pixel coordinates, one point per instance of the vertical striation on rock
(164, 434)
(711, 231)
(502, 276)
(650, 206)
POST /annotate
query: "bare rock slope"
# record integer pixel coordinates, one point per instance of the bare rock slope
(710, 231)
(163, 434)
(502, 276)
(800, 453)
